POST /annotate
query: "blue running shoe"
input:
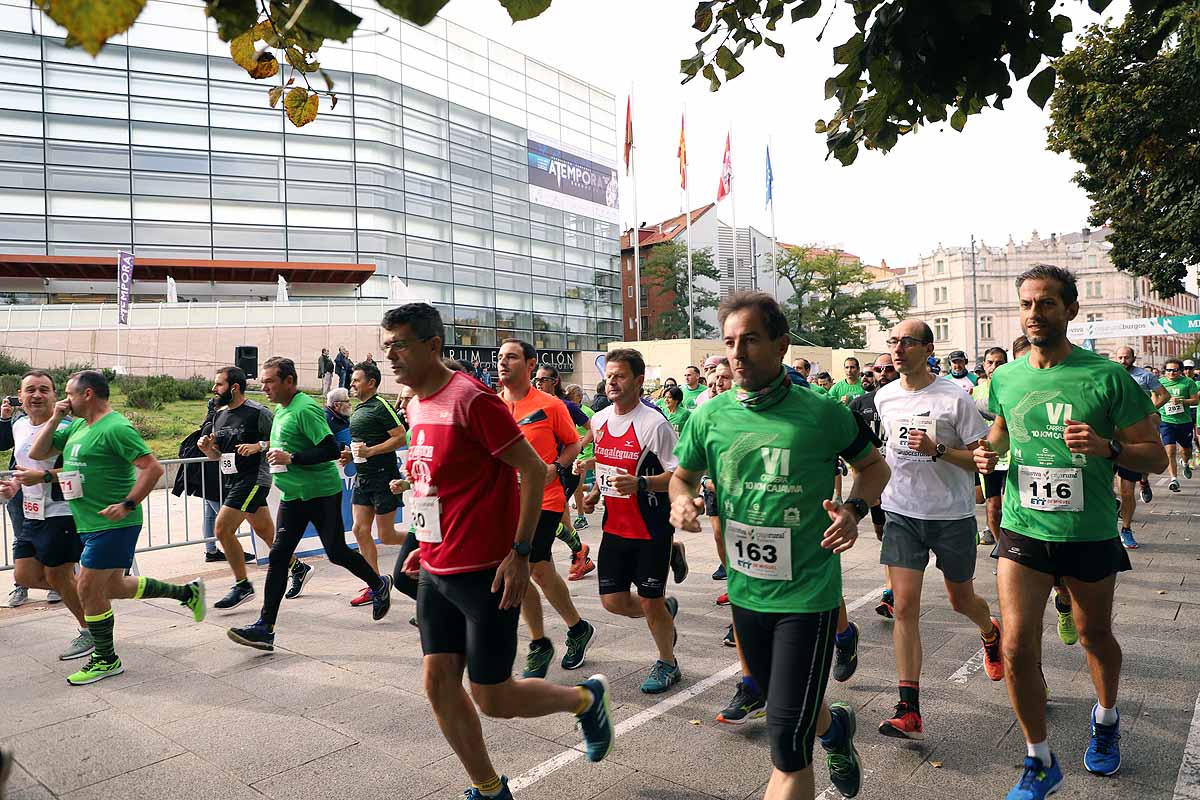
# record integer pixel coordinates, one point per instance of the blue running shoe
(475, 794)
(1037, 781)
(596, 721)
(1103, 756)
(1127, 539)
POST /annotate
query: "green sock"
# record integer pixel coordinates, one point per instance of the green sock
(568, 537)
(149, 587)
(101, 627)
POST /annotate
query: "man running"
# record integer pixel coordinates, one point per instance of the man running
(1065, 416)
(959, 374)
(849, 387)
(547, 380)
(1126, 479)
(376, 433)
(1189, 371)
(107, 472)
(47, 546)
(634, 448)
(929, 506)
(864, 407)
(574, 393)
(238, 436)
(1177, 428)
(692, 388)
(301, 457)
(545, 422)
(769, 446)
(992, 483)
(476, 534)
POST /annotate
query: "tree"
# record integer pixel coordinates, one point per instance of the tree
(1126, 110)
(830, 296)
(666, 269)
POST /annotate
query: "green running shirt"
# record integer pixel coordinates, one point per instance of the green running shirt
(843, 389)
(298, 426)
(1179, 389)
(103, 453)
(690, 395)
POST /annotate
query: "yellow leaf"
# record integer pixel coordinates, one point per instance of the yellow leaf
(274, 94)
(935, 764)
(243, 52)
(91, 23)
(301, 106)
(694, 721)
(266, 67)
(266, 32)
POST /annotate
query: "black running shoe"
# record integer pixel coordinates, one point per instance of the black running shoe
(719, 573)
(577, 646)
(845, 660)
(301, 573)
(258, 636)
(845, 769)
(745, 706)
(673, 608)
(679, 565)
(729, 641)
(240, 593)
(213, 556)
(381, 603)
(1147, 492)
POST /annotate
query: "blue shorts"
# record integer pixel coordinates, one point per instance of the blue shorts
(110, 549)
(1177, 433)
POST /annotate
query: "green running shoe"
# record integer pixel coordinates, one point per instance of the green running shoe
(845, 771)
(96, 669)
(577, 647)
(196, 601)
(662, 677)
(1066, 628)
(537, 662)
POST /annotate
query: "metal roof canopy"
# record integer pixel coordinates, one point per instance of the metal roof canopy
(182, 269)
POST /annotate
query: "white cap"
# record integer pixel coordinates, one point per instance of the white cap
(1189, 363)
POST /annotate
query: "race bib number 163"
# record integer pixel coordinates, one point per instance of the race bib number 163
(763, 553)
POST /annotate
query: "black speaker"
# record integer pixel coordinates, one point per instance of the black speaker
(245, 357)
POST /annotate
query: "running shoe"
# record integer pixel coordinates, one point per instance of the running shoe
(679, 565)
(82, 645)
(53, 597)
(195, 601)
(845, 771)
(581, 564)
(213, 556)
(475, 794)
(96, 669)
(577, 647)
(1037, 781)
(537, 661)
(1103, 756)
(728, 640)
(19, 596)
(1066, 627)
(746, 705)
(240, 593)
(986, 537)
(723, 599)
(596, 721)
(1173, 485)
(887, 605)
(258, 636)
(363, 597)
(662, 677)
(905, 724)
(1127, 539)
(580, 522)
(719, 573)
(845, 659)
(1187, 469)
(6, 766)
(1147, 492)
(993, 662)
(300, 575)
(381, 601)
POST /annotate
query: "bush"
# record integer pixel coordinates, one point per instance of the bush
(110, 375)
(145, 398)
(142, 424)
(10, 365)
(62, 374)
(9, 385)
(127, 383)
(194, 388)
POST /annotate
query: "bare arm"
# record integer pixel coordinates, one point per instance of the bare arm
(1160, 396)
(685, 505)
(393, 443)
(871, 476)
(149, 471)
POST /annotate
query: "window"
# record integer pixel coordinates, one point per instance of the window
(1098, 317)
(645, 325)
(1091, 260)
(941, 329)
(985, 291)
(941, 294)
(941, 266)
(1093, 288)
(643, 296)
(985, 328)
(630, 290)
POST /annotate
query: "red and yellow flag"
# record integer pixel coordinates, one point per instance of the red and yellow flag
(682, 153)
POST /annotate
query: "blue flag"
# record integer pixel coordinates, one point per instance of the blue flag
(770, 175)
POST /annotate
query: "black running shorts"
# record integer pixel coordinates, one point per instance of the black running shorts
(461, 614)
(246, 498)
(643, 563)
(1084, 561)
(376, 493)
(1128, 475)
(52, 541)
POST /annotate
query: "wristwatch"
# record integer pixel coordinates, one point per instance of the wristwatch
(939, 451)
(129, 504)
(47, 477)
(1116, 449)
(859, 506)
(643, 484)
(522, 548)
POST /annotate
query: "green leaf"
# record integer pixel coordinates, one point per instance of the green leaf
(92, 23)
(273, 94)
(805, 10)
(1042, 86)
(958, 120)
(243, 52)
(1099, 5)
(418, 12)
(704, 16)
(521, 10)
(233, 17)
(1062, 24)
(848, 51)
(776, 46)
(329, 20)
(301, 107)
(710, 72)
(723, 57)
(691, 66)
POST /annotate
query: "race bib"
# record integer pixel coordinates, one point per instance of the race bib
(604, 479)
(33, 506)
(1051, 488)
(426, 518)
(898, 436)
(228, 464)
(763, 553)
(71, 483)
(1173, 409)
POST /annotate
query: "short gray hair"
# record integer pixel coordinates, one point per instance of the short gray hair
(338, 395)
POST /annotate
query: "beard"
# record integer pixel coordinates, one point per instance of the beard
(224, 398)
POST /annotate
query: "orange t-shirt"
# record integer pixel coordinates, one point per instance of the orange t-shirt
(547, 425)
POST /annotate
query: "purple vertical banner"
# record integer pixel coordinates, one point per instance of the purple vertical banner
(124, 286)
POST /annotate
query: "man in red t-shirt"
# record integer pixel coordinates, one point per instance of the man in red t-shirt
(475, 529)
(546, 424)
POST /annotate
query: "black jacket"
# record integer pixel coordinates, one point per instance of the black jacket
(189, 478)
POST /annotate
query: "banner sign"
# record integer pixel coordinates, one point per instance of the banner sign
(568, 182)
(124, 286)
(562, 360)
(1147, 326)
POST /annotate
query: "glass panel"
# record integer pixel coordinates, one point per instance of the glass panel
(246, 189)
(85, 130)
(511, 207)
(27, 228)
(476, 337)
(30, 150)
(250, 213)
(414, 98)
(173, 233)
(170, 160)
(473, 256)
(511, 244)
(379, 197)
(29, 98)
(175, 185)
(319, 238)
(465, 156)
(467, 137)
(87, 78)
(171, 208)
(180, 112)
(472, 236)
(545, 233)
(332, 193)
(89, 230)
(372, 174)
(426, 207)
(427, 228)
(475, 198)
(546, 215)
(434, 292)
(88, 205)
(168, 62)
(426, 249)
(87, 180)
(331, 171)
(309, 146)
(318, 216)
(386, 265)
(381, 242)
(380, 219)
(248, 236)
(426, 165)
(470, 177)
(513, 263)
(464, 215)
(22, 176)
(193, 137)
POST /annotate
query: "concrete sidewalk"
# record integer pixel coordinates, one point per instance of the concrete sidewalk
(338, 711)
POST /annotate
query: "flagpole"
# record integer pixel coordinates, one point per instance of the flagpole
(733, 212)
(637, 229)
(774, 254)
(687, 211)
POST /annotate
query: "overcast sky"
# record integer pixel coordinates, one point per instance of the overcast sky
(994, 179)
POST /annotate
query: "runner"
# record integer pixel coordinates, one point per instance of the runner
(692, 388)
(1068, 415)
(46, 548)
(574, 393)
(1177, 428)
(768, 447)
(864, 407)
(803, 366)
(476, 535)
(546, 424)
(1189, 371)
(824, 383)
(1126, 479)
(301, 457)
(237, 438)
(992, 483)
(711, 390)
(107, 472)
(376, 433)
(634, 450)
(677, 415)
(722, 382)
(959, 374)
(849, 387)
(929, 506)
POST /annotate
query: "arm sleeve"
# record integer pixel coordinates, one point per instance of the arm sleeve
(490, 423)
(663, 441)
(6, 434)
(314, 425)
(577, 415)
(61, 434)
(850, 433)
(324, 450)
(969, 423)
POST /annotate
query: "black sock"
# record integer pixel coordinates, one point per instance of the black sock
(541, 644)
(578, 627)
(1061, 607)
(244, 582)
(910, 693)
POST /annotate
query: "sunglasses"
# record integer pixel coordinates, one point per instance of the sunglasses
(888, 368)
(1170, 369)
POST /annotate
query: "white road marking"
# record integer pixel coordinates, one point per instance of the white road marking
(1187, 785)
(969, 668)
(639, 719)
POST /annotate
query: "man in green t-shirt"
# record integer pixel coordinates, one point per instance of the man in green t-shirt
(851, 386)
(301, 457)
(1177, 426)
(107, 472)
(1066, 417)
(692, 388)
(768, 447)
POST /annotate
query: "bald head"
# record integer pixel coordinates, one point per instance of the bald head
(1126, 357)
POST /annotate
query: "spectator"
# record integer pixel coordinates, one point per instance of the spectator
(337, 414)
(203, 479)
(370, 359)
(344, 367)
(482, 375)
(325, 371)
(601, 399)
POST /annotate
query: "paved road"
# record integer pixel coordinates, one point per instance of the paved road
(338, 710)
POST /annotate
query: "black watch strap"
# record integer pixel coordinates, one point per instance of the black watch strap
(861, 509)
(522, 548)
(129, 504)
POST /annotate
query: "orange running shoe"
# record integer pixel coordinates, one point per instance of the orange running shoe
(581, 565)
(992, 660)
(906, 724)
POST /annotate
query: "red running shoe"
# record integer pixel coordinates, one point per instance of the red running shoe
(906, 724)
(992, 661)
(723, 599)
(363, 598)
(581, 565)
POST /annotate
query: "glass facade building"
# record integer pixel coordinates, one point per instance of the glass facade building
(164, 146)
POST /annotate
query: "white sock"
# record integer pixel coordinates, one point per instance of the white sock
(1040, 751)
(1105, 716)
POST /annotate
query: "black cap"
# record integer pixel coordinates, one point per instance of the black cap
(956, 355)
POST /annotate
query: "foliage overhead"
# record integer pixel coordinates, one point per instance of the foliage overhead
(909, 62)
(829, 298)
(1126, 110)
(666, 270)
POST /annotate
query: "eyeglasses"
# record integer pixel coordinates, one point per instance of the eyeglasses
(1170, 369)
(543, 379)
(905, 341)
(885, 368)
(400, 344)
